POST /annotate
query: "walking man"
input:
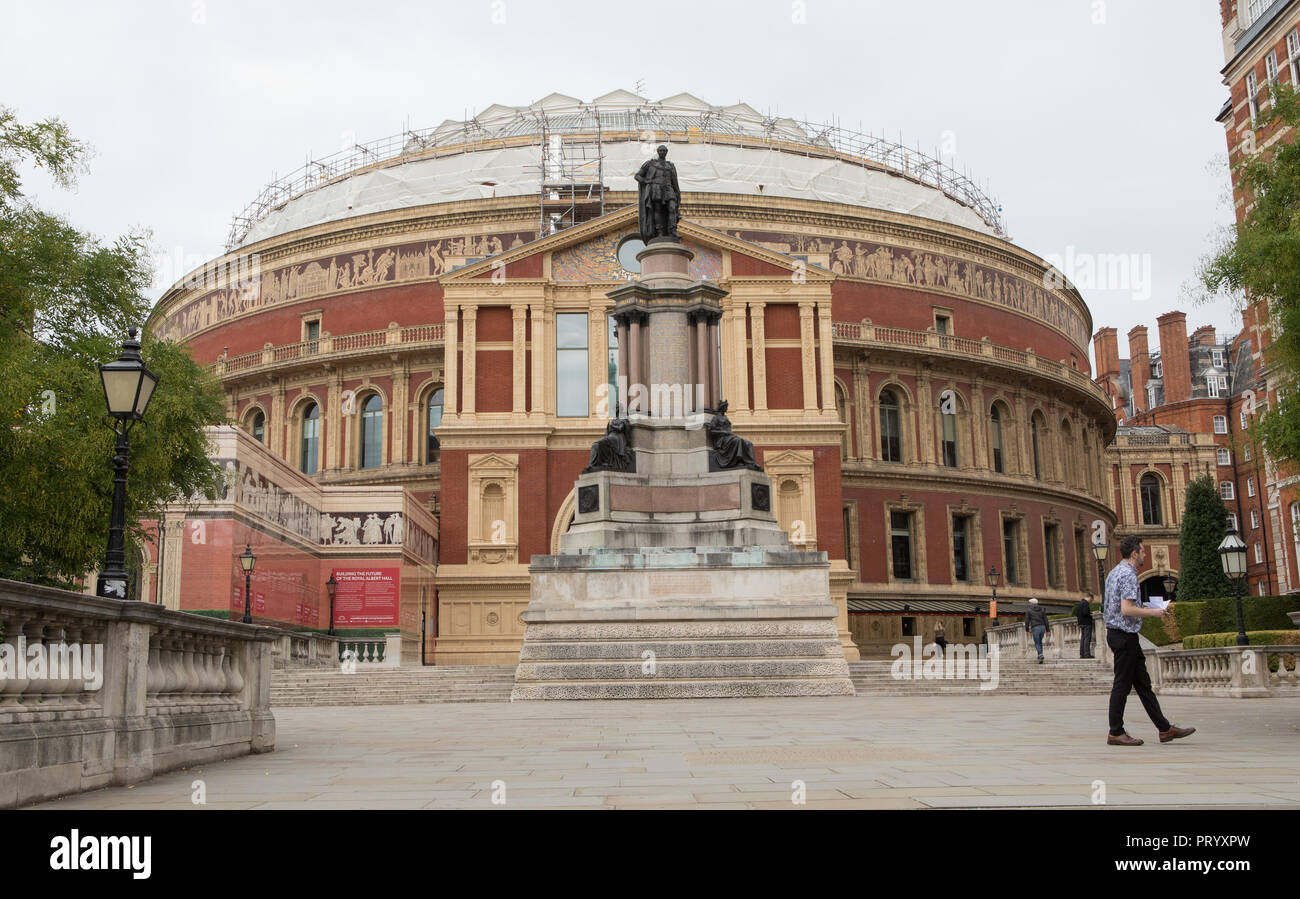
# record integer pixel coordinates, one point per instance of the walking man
(1123, 616)
(1036, 624)
(1083, 613)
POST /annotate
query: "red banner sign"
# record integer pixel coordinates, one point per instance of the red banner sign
(366, 597)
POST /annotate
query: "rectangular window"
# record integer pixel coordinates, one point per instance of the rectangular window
(571, 399)
(1220, 424)
(909, 626)
(960, 568)
(1254, 519)
(1232, 521)
(1158, 369)
(1216, 356)
(1250, 486)
(968, 627)
(1245, 422)
(311, 335)
(1212, 384)
(1259, 559)
(1270, 66)
(1247, 453)
(900, 540)
(942, 324)
(1052, 545)
(1251, 86)
(1225, 490)
(1224, 457)
(1293, 51)
(1009, 547)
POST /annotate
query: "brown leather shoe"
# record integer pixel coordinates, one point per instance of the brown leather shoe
(1175, 732)
(1122, 740)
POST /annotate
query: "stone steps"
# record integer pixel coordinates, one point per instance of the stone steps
(691, 658)
(1015, 677)
(392, 686)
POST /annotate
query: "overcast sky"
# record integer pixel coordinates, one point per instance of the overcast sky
(1091, 121)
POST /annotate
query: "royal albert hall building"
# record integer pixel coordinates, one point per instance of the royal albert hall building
(431, 311)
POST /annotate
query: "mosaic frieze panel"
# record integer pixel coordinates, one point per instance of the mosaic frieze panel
(597, 260)
(388, 265)
(861, 259)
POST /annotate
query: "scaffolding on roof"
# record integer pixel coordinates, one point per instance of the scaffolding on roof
(571, 176)
(582, 130)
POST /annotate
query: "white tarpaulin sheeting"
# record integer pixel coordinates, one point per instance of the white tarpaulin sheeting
(701, 167)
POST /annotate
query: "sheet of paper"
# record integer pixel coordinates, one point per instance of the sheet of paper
(1158, 601)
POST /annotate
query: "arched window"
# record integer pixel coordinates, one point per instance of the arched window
(995, 437)
(434, 419)
(891, 431)
(790, 508)
(310, 438)
(494, 513)
(372, 431)
(948, 428)
(257, 426)
(1067, 452)
(842, 407)
(1036, 433)
(1149, 488)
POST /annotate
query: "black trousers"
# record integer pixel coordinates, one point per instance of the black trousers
(1131, 673)
(1085, 640)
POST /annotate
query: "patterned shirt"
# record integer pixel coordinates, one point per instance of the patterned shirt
(1121, 584)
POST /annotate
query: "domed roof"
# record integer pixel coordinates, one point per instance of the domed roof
(508, 150)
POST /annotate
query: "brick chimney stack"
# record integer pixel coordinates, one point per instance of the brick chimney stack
(1139, 366)
(1174, 357)
(1105, 349)
(1205, 335)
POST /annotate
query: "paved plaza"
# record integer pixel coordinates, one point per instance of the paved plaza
(849, 752)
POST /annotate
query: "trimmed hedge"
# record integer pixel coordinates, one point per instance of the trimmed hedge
(1257, 638)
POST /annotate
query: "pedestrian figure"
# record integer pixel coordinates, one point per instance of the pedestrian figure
(1036, 624)
(1083, 612)
(1123, 614)
(939, 639)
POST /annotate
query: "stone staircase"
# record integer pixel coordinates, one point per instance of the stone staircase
(1016, 677)
(681, 659)
(391, 686)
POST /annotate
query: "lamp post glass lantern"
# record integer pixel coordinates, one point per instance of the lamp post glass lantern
(247, 560)
(1100, 550)
(128, 387)
(1232, 555)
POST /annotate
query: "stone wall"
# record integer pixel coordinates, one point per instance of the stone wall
(96, 692)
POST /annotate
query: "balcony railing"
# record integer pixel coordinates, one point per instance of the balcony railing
(864, 333)
(411, 337)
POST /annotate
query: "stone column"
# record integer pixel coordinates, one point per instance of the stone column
(401, 410)
(979, 428)
(808, 356)
(634, 355)
(825, 336)
(715, 365)
(517, 357)
(469, 359)
(450, 363)
(693, 374)
(333, 424)
(276, 426)
(862, 406)
(622, 360)
(541, 318)
(702, 366)
(925, 414)
(738, 381)
(760, 355)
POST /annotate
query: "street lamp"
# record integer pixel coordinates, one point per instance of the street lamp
(993, 577)
(248, 560)
(1100, 550)
(1232, 554)
(330, 586)
(128, 387)
(1171, 584)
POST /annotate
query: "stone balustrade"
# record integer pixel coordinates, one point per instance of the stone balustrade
(304, 649)
(99, 691)
(371, 652)
(1240, 672)
(1015, 642)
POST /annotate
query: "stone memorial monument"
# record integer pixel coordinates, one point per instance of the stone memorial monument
(675, 580)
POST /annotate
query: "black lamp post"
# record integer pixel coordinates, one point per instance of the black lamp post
(994, 577)
(1100, 550)
(128, 387)
(330, 586)
(1232, 554)
(248, 560)
(1171, 585)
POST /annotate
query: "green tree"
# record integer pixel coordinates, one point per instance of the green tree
(66, 301)
(1205, 522)
(1262, 260)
